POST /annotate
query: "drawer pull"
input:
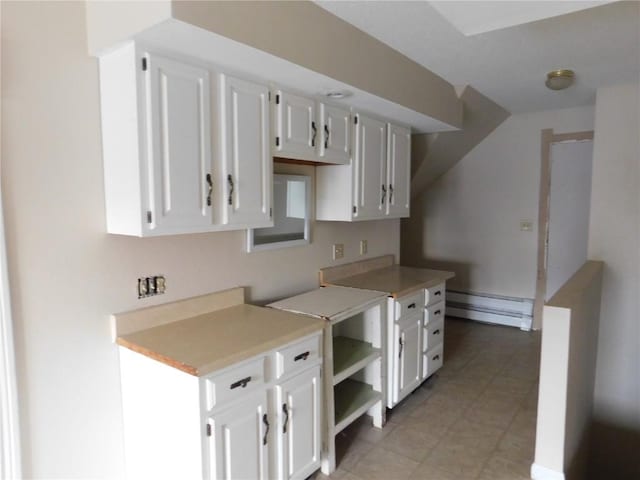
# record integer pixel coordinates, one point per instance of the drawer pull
(240, 383)
(438, 293)
(436, 332)
(437, 312)
(302, 356)
(411, 305)
(436, 357)
(265, 420)
(285, 410)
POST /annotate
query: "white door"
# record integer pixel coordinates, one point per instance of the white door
(398, 171)
(239, 440)
(296, 129)
(247, 165)
(370, 181)
(335, 134)
(569, 206)
(407, 356)
(179, 165)
(299, 406)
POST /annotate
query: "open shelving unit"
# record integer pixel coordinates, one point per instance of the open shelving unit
(354, 352)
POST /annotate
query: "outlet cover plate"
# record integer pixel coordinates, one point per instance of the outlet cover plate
(338, 251)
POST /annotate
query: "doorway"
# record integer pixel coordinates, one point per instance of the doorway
(563, 219)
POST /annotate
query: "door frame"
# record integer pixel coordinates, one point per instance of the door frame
(547, 138)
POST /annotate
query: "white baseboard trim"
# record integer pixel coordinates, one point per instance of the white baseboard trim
(538, 472)
(501, 310)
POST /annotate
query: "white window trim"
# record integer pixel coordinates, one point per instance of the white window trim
(10, 463)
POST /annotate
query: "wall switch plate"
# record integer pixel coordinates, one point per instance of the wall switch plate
(526, 226)
(363, 247)
(149, 286)
(338, 251)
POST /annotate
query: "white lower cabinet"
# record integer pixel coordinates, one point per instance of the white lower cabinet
(408, 356)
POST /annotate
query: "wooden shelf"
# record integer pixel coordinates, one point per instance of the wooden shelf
(351, 355)
(352, 399)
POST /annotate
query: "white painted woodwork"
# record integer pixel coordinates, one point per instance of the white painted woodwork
(398, 171)
(407, 334)
(179, 157)
(239, 445)
(247, 171)
(299, 406)
(370, 189)
(335, 134)
(296, 126)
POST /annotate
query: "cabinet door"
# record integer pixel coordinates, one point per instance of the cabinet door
(335, 134)
(298, 405)
(370, 181)
(179, 145)
(398, 171)
(239, 441)
(407, 356)
(296, 129)
(247, 166)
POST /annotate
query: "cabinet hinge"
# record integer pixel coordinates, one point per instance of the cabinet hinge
(355, 119)
(144, 63)
(277, 141)
(149, 216)
(208, 429)
(269, 96)
(277, 99)
(271, 212)
(355, 209)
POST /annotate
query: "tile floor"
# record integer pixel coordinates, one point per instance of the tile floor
(474, 419)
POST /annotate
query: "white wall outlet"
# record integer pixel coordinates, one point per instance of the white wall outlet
(526, 226)
(338, 250)
(363, 247)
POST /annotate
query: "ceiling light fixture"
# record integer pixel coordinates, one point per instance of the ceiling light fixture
(559, 79)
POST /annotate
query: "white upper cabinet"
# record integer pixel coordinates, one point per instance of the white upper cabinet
(310, 130)
(178, 106)
(398, 171)
(247, 171)
(369, 162)
(296, 126)
(335, 128)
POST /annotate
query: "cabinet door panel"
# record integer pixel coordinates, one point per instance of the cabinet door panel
(178, 110)
(237, 448)
(398, 171)
(295, 124)
(370, 182)
(247, 164)
(408, 356)
(298, 403)
(335, 134)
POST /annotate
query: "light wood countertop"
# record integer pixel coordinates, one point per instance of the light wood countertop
(205, 343)
(395, 280)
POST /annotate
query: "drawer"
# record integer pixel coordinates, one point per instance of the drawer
(433, 334)
(432, 361)
(409, 304)
(234, 383)
(433, 313)
(297, 355)
(434, 294)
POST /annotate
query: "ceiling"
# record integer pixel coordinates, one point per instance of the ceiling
(509, 65)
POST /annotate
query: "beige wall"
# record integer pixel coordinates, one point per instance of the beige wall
(67, 274)
(615, 238)
(468, 221)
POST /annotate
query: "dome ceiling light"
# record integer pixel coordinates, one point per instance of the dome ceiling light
(559, 79)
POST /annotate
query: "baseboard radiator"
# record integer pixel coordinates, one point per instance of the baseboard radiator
(483, 307)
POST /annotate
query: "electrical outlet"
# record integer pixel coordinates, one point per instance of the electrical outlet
(338, 250)
(149, 286)
(363, 247)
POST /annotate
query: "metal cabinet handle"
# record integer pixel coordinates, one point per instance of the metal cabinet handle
(313, 135)
(265, 420)
(436, 357)
(240, 383)
(285, 410)
(437, 312)
(411, 305)
(390, 193)
(384, 194)
(326, 136)
(438, 293)
(302, 356)
(210, 183)
(230, 181)
(436, 332)
(401, 345)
